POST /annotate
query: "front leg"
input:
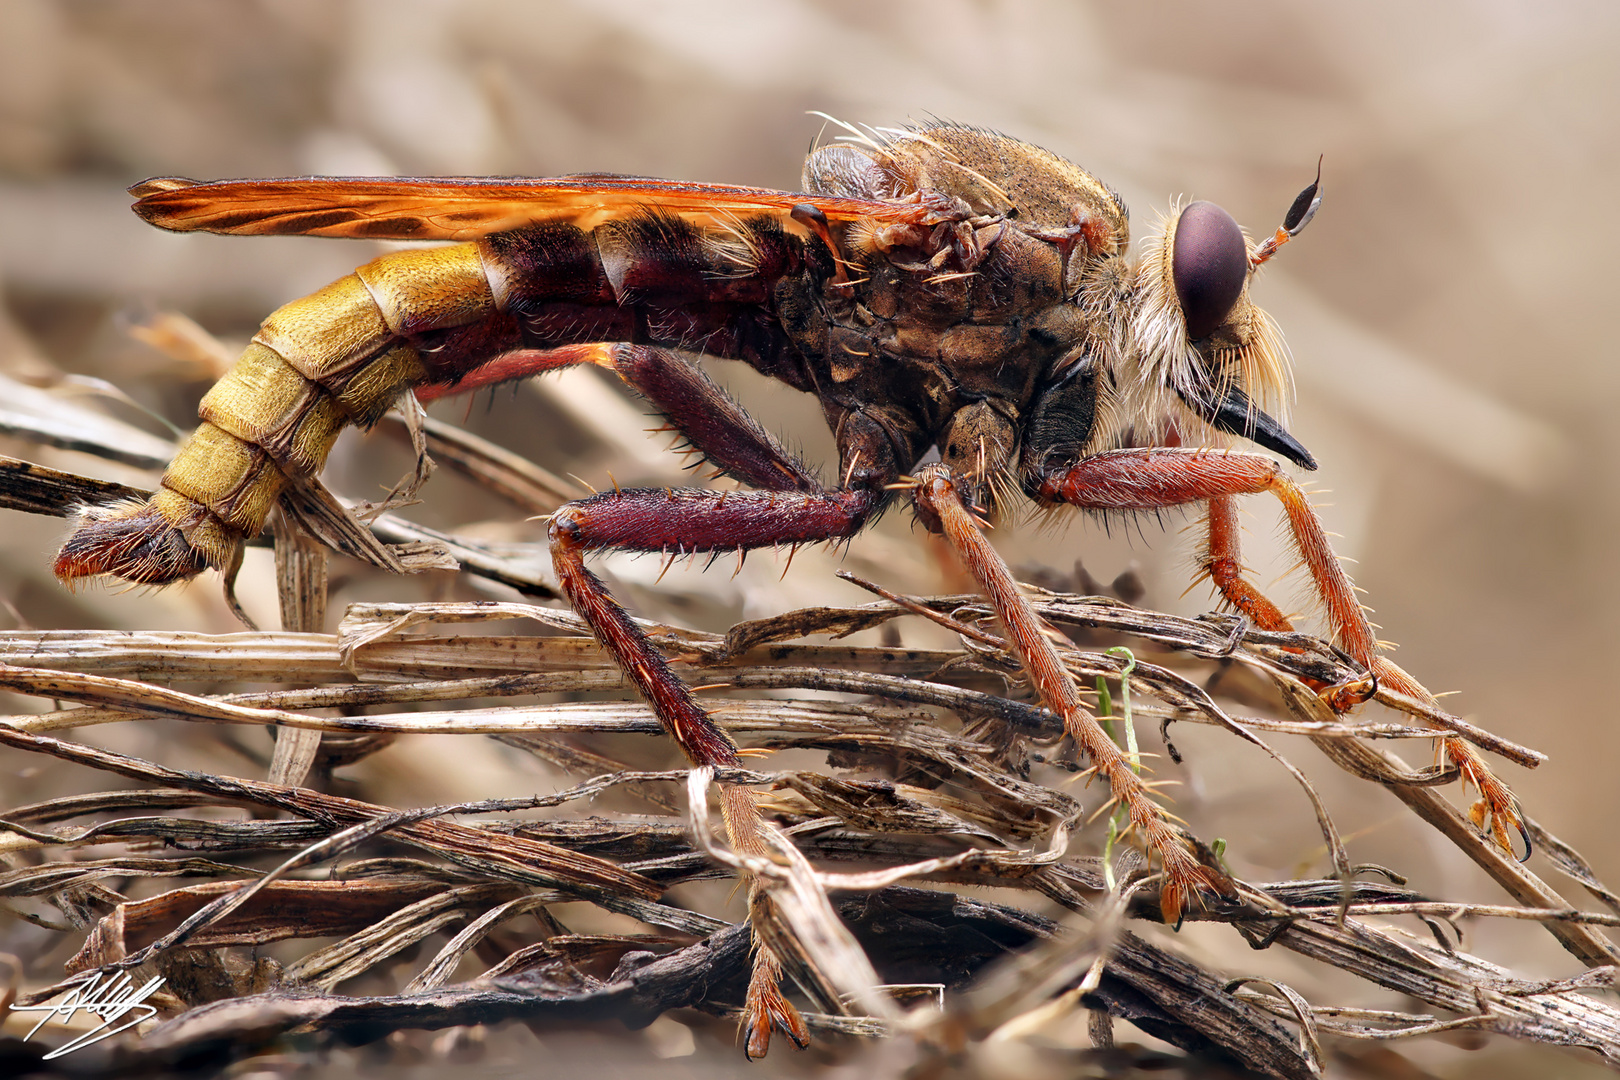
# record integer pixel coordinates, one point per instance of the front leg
(1223, 563)
(1154, 479)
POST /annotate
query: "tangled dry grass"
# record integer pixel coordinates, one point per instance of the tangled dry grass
(915, 767)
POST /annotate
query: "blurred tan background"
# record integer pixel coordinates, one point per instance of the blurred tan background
(1448, 309)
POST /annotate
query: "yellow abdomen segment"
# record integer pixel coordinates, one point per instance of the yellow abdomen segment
(339, 356)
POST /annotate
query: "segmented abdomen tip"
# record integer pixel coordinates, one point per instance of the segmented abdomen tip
(131, 541)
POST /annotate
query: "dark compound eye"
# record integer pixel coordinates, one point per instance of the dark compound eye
(1209, 266)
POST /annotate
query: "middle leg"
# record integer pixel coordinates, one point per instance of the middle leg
(942, 509)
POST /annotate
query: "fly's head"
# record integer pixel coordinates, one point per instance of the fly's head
(1200, 353)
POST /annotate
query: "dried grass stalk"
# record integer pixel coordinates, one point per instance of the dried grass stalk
(927, 780)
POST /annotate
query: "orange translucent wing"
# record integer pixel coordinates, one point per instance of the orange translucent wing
(465, 207)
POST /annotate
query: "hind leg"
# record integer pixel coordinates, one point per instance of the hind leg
(794, 509)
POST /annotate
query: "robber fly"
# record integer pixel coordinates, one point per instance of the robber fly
(938, 286)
